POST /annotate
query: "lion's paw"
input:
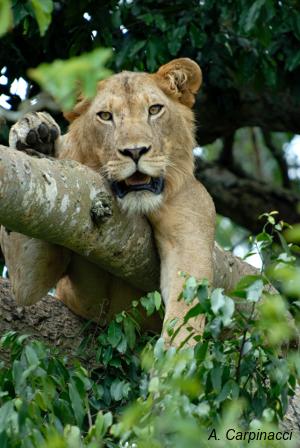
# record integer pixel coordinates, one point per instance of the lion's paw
(35, 134)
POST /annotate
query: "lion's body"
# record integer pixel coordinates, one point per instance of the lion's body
(178, 207)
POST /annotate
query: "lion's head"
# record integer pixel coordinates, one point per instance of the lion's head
(139, 131)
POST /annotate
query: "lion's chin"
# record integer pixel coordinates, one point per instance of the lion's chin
(140, 202)
(138, 182)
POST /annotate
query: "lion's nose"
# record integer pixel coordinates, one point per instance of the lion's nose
(135, 153)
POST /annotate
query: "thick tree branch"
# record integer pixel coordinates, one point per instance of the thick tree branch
(52, 200)
(50, 321)
(243, 199)
(221, 113)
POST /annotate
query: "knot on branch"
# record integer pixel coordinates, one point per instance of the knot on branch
(101, 208)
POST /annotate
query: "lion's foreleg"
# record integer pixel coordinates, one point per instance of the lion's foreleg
(184, 231)
(34, 266)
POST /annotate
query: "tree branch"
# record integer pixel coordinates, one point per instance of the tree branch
(220, 113)
(39, 102)
(238, 197)
(52, 200)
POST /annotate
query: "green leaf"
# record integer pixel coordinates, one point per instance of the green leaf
(148, 303)
(154, 384)
(62, 78)
(159, 348)
(73, 437)
(129, 330)
(202, 291)
(76, 403)
(197, 37)
(195, 311)
(254, 291)
(217, 300)
(215, 326)
(103, 423)
(151, 53)
(157, 300)
(242, 286)
(6, 18)
(293, 234)
(43, 11)
(175, 40)
(118, 390)
(160, 22)
(4, 441)
(137, 47)
(114, 334)
(216, 378)
(31, 355)
(253, 14)
(7, 414)
(122, 346)
(189, 289)
(201, 351)
(225, 391)
(227, 311)
(293, 61)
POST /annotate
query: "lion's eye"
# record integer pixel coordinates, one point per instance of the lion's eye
(105, 115)
(155, 109)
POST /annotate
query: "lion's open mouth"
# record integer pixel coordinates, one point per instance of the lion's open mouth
(138, 182)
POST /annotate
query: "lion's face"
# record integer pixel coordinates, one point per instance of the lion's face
(139, 132)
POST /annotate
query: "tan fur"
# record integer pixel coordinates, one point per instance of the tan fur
(182, 216)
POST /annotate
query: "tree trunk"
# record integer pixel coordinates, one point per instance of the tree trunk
(66, 203)
(49, 321)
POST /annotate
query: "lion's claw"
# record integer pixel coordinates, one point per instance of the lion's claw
(35, 134)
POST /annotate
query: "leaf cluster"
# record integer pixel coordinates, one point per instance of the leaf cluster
(240, 373)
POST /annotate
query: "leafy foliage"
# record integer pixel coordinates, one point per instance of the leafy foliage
(5, 16)
(248, 52)
(240, 369)
(63, 79)
(42, 11)
(239, 45)
(240, 374)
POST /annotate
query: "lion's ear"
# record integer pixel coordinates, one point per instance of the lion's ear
(180, 78)
(81, 106)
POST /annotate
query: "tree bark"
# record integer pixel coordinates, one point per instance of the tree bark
(243, 199)
(68, 204)
(49, 321)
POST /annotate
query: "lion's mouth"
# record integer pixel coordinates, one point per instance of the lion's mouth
(138, 182)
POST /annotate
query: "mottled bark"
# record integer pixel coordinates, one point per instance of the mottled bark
(49, 321)
(52, 200)
(243, 199)
(66, 203)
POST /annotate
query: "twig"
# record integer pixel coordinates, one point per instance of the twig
(39, 102)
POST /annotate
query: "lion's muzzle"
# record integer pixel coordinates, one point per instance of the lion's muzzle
(138, 182)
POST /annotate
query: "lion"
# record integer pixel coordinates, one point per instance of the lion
(138, 132)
